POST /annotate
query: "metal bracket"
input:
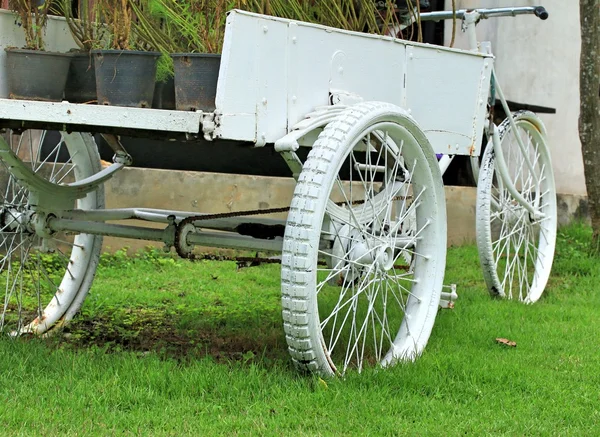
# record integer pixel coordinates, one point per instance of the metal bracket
(314, 120)
(169, 233)
(288, 145)
(447, 298)
(211, 123)
(345, 98)
(58, 196)
(121, 156)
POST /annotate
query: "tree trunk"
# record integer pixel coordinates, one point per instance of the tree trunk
(589, 116)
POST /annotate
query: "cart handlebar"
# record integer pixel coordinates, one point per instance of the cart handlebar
(541, 12)
(538, 11)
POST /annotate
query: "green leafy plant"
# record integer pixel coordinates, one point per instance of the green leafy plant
(301, 10)
(194, 26)
(198, 26)
(155, 33)
(32, 18)
(172, 26)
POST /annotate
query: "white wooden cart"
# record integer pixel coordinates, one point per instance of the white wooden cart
(364, 247)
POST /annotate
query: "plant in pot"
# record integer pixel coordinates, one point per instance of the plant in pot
(125, 71)
(33, 73)
(197, 28)
(156, 33)
(192, 31)
(88, 33)
(369, 16)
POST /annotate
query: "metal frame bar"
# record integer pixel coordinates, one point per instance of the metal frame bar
(201, 238)
(503, 172)
(470, 19)
(513, 126)
(162, 216)
(483, 13)
(103, 116)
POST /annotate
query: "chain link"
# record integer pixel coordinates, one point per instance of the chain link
(196, 218)
(240, 260)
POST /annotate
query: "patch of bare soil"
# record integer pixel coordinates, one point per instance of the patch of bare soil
(153, 333)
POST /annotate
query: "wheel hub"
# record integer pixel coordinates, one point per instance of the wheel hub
(181, 244)
(385, 258)
(511, 212)
(364, 251)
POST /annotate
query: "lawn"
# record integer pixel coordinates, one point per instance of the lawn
(171, 347)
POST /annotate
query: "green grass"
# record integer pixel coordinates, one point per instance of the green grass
(167, 347)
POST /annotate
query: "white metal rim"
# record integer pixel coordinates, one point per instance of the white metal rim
(517, 262)
(82, 261)
(301, 286)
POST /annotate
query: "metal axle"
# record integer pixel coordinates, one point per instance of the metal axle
(166, 235)
(162, 216)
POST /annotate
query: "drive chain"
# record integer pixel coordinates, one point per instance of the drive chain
(195, 218)
(240, 260)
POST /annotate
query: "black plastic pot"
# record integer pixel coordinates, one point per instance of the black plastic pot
(36, 75)
(125, 78)
(164, 94)
(81, 81)
(196, 76)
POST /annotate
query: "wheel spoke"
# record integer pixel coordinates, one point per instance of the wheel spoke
(520, 246)
(33, 275)
(357, 304)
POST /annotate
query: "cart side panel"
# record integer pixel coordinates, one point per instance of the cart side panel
(280, 70)
(236, 86)
(252, 88)
(325, 62)
(447, 95)
(272, 87)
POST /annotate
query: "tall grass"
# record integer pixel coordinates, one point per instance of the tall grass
(174, 365)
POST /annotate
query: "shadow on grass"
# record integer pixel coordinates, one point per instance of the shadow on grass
(168, 335)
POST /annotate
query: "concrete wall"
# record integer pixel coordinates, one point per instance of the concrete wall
(537, 62)
(217, 192)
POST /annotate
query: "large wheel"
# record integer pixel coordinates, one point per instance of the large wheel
(516, 248)
(365, 244)
(45, 279)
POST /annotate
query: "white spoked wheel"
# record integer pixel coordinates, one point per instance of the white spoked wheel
(365, 244)
(516, 248)
(45, 279)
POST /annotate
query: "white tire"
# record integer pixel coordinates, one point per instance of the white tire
(42, 290)
(363, 262)
(516, 248)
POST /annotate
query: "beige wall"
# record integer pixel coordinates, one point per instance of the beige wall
(217, 192)
(537, 62)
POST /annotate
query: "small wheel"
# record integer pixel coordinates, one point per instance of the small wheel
(365, 244)
(516, 248)
(46, 278)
